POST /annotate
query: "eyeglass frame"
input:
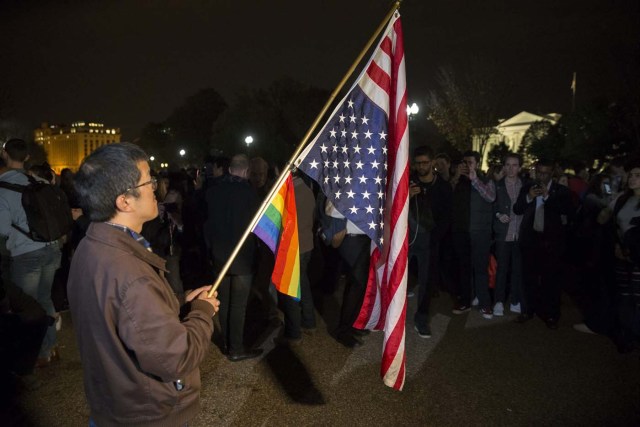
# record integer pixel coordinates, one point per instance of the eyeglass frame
(153, 181)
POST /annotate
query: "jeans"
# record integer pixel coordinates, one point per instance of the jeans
(421, 249)
(233, 294)
(508, 258)
(33, 272)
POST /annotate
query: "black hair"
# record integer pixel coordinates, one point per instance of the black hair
(444, 156)
(104, 175)
(473, 154)
(544, 162)
(222, 162)
(42, 171)
(423, 150)
(17, 149)
(595, 185)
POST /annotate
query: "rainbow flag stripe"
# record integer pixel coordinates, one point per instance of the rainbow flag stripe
(278, 229)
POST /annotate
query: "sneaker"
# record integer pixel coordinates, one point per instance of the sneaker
(498, 309)
(423, 332)
(515, 308)
(475, 302)
(460, 308)
(581, 327)
(487, 313)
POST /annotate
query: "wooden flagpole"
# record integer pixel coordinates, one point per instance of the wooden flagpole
(288, 167)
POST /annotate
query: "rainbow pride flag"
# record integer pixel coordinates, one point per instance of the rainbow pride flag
(278, 229)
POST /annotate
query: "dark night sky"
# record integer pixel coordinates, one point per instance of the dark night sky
(130, 62)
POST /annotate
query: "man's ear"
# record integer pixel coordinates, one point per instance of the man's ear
(122, 203)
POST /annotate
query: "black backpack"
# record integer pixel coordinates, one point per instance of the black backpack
(47, 209)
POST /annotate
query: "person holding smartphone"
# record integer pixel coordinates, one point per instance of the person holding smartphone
(429, 217)
(543, 240)
(473, 196)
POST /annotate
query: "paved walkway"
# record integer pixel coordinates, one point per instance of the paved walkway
(471, 372)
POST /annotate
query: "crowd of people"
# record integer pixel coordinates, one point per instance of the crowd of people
(516, 238)
(131, 268)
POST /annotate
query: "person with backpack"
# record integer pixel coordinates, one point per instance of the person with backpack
(34, 258)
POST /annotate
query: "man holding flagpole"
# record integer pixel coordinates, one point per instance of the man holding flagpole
(139, 358)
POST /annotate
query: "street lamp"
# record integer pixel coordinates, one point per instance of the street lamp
(412, 110)
(182, 152)
(248, 140)
(152, 158)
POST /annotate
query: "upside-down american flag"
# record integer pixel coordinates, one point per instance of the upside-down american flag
(360, 160)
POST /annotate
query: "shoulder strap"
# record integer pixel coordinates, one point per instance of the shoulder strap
(13, 187)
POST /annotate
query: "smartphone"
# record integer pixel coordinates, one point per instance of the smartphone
(607, 188)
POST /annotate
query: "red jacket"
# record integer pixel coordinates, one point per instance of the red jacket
(133, 346)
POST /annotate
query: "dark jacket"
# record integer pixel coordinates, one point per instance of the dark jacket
(503, 206)
(231, 205)
(557, 204)
(436, 196)
(420, 211)
(441, 207)
(132, 343)
(470, 211)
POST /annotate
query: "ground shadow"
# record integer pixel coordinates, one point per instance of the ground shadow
(293, 376)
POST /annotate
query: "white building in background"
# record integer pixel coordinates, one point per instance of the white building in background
(512, 130)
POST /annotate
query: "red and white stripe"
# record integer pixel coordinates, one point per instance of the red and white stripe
(385, 303)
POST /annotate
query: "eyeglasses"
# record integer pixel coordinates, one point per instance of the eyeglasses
(152, 181)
